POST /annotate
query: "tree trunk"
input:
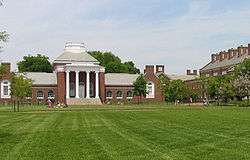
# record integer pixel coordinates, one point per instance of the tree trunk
(14, 105)
(18, 103)
(248, 100)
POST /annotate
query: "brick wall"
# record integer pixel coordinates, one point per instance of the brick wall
(45, 90)
(5, 76)
(61, 89)
(102, 93)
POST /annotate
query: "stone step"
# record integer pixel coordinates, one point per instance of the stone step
(84, 101)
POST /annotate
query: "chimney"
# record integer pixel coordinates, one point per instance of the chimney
(160, 69)
(7, 67)
(194, 73)
(149, 69)
(213, 58)
(240, 51)
(221, 56)
(248, 49)
(230, 53)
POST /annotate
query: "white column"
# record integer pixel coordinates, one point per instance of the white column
(77, 84)
(96, 84)
(67, 84)
(87, 84)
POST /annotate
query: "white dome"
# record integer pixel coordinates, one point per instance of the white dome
(75, 47)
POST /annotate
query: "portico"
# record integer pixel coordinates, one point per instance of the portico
(81, 75)
(82, 82)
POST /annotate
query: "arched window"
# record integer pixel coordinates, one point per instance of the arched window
(150, 90)
(109, 95)
(5, 89)
(119, 95)
(39, 95)
(51, 95)
(129, 95)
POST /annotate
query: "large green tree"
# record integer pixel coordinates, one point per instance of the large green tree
(242, 80)
(113, 64)
(38, 63)
(176, 90)
(221, 88)
(140, 87)
(20, 88)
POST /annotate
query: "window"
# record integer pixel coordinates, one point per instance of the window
(119, 95)
(51, 95)
(109, 95)
(39, 95)
(160, 69)
(129, 95)
(150, 90)
(5, 89)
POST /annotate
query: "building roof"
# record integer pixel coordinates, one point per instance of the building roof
(178, 77)
(75, 57)
(226, 62)
(40, 78)
(122, 79)
(182, 77)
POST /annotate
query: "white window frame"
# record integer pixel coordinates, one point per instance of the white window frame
(121, 97)
(152, 93)
(5, 83)
(49, 96)
(39, 97)
(131, 95)
(108, 96)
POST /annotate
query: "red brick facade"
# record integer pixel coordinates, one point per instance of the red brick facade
(222, 62)
(6, 77)
(150, 76)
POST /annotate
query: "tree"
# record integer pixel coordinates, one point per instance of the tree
(242, 80)
(243, 68)
(20, 88)
(3, 35)
(38, 63)
(242, 87)
(221, 88)
(176, 90)
(131, 67)
(140, 87)
(113, 64)
(226, 90)
(164, 80)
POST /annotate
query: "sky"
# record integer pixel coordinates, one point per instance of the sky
(181, 34)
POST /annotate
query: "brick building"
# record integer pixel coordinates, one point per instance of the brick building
(78, 79)
(224, 61)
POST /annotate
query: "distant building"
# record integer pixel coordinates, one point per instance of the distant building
(225, 61)
(78, 79)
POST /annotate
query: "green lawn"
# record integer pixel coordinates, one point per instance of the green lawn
(125, 132)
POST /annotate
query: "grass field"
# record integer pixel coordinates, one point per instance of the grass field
(127, 132)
